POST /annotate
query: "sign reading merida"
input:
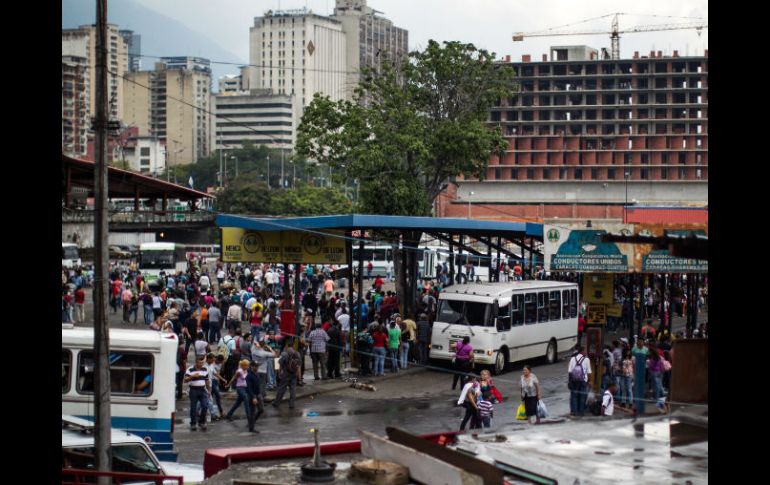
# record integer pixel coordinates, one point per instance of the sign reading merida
(659, 261)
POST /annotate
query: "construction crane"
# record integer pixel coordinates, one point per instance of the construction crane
(615, 32)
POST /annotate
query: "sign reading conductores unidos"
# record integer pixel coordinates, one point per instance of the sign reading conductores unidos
(241, 245)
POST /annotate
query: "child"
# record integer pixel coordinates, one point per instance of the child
(486, 410)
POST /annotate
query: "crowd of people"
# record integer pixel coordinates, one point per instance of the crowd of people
(230, 315)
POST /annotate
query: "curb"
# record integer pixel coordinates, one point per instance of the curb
(303, 392)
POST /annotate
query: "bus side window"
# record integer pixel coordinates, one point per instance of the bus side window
(565, 303)
(504, 317)
(573, 304)
(542, 306)
(530, 308)
(66, 370)
(555, 305)
(517, 309)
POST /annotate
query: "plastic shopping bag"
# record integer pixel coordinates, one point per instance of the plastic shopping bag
(521, 413)
(542, 411)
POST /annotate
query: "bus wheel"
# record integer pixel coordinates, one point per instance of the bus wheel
(550, 353)
(500, 362)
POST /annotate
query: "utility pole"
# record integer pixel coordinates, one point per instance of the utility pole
(282, 183)
(268, 171)
(102, 416)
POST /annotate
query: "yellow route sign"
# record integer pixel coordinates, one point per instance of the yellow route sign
(596, 314)
(242, 245)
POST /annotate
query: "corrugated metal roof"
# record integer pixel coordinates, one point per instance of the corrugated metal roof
(365, 221)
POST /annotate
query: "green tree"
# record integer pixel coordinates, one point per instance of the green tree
(423, 122)
(309, 201)
(244, 197)
(413, 128)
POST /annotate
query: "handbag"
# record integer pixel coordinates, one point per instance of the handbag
(521, 413)
(542, 411)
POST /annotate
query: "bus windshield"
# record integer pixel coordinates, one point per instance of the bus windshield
(156, 259)
(69, 252)
(463, 312)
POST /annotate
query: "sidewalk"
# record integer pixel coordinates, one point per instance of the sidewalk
(314, 388)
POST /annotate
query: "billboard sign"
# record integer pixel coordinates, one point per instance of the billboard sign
(575, 247)
(246, 246)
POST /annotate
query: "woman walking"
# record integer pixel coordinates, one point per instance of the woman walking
(240, 387)
(469, 399)
(462, 361)
(655, 366)
(530, 393)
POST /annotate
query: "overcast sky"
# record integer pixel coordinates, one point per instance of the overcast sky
(488, 24)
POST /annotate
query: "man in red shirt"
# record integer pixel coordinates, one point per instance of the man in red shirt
(80, 303)
(378, 283)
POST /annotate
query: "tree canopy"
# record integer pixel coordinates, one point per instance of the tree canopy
(245, 196)
(412, 128)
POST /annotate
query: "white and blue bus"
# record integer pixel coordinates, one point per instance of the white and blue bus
(142, 380)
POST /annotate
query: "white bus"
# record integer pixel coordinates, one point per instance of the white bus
(70, 255)
(506, 322)
(161, 256)
(379, 254)
(142, 379)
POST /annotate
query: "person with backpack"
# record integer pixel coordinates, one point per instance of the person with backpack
(365, 348)
(290, 365)
(225, 348)
(578, 371)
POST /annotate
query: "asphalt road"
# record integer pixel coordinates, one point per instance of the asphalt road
(418, 402)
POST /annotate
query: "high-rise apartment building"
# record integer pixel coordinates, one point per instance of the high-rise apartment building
(74, 105)
(587, 136)
(369, 38)
(298, 52)
(134, 44)
(81, 42)
(173, 105)
(230, 83)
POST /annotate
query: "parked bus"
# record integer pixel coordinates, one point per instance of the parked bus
(210, 252)
(161, 256)
(70, 255)
(506, 322)
(142, 380)
(379, 254)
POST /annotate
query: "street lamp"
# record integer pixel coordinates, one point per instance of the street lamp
(268, 171)
(236, 165)
(470, 194)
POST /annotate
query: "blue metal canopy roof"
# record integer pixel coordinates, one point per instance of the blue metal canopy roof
(363, 221)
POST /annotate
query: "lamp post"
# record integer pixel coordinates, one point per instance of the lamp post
(268, 171)
(470, 194)
(236, 165)
(283, 184)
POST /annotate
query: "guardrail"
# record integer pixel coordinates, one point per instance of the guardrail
(140, 217)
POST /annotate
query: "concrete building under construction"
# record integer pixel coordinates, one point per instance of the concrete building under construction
(588, 136)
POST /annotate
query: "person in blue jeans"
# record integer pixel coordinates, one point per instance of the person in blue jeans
(380, 341)
(394, 343)
(197, 377)
(241, 388)
(578, 381)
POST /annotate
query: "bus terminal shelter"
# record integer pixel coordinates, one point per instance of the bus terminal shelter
(330, 240)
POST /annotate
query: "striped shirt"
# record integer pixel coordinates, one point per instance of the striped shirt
(199, 376)
(485, 408)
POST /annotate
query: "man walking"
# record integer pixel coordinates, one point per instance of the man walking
(578, 371)
(335, 346)
(289, 369)
(423, 338)
(253, 391)
(197, 377)
(318, 338)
